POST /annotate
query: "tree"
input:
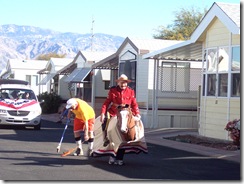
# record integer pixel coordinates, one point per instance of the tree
(49, 55)
(184, 24)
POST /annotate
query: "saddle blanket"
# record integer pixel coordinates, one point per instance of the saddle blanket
(116, 139)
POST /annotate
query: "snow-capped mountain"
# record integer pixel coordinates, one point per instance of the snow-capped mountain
(28, 42)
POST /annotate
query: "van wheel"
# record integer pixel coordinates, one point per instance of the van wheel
(37, 127)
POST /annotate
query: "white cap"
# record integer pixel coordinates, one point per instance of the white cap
(70, 103)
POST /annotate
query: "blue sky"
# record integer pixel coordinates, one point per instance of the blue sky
(132, 18)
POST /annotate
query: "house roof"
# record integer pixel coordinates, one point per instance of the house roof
(47, 78)
(141, 46)
(52, 68)
(231, 10)
(110, 62)
(27, 64)
(148, 45)
(88, 56)
(182, 51)
(54, 65)
(95, 56)
(228, 14)
(15, 64)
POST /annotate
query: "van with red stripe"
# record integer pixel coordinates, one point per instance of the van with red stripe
(19, 104)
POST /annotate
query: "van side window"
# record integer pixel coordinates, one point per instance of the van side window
(4, 95)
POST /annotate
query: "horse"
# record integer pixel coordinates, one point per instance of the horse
(124, 131)
(126, 122)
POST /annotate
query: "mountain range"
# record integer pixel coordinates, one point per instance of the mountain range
(28, 42)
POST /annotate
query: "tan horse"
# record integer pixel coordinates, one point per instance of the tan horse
(126, 122)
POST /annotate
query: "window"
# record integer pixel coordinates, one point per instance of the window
(211, 88)
(106, 85)
(127, 66)
(218, 72)
(129, 69)
(175, 77)
(235, 72)
(235, 59)
(223, 59)
(236, 85)
(223, 85)
(28, 78)
(32, 79)
(211, 60)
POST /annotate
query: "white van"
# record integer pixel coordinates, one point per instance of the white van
(19, 104)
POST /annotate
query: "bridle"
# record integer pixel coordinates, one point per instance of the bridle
(124, 107)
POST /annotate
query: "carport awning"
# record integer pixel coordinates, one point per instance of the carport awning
(47, 78)
(110, 62)
(68, 69)
(78, 75)
(182, 51)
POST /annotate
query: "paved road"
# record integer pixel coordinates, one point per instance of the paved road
(31, 155)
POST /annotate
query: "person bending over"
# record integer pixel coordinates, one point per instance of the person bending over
(83, 122)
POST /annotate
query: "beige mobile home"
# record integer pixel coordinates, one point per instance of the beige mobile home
(216, 41)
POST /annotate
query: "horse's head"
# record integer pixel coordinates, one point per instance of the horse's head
(123, 116)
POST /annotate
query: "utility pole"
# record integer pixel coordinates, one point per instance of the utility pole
(92, 35)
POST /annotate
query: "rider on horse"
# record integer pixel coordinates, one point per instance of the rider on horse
(118, 95)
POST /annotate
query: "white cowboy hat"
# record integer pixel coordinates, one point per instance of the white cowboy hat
(123, 77)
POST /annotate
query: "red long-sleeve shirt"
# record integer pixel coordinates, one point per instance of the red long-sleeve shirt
(117, 96)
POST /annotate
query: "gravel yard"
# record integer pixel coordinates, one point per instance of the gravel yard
(205, 141)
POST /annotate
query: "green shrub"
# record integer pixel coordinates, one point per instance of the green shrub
(51, 103)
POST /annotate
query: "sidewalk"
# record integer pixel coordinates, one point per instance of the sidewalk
(156, 136)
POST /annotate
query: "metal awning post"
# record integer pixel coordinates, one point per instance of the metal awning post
(156, 96)
(93, 89)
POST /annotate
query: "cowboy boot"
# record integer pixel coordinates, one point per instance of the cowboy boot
(104, 128)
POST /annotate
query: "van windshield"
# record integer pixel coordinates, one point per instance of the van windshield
(16, 94)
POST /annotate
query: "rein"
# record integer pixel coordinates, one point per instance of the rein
(129, 120)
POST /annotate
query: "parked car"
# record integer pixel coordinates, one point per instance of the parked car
(19, 105)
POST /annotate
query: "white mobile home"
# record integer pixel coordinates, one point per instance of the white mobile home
(50, 80)
(78, 75)
(25, 70)
(128, 60)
